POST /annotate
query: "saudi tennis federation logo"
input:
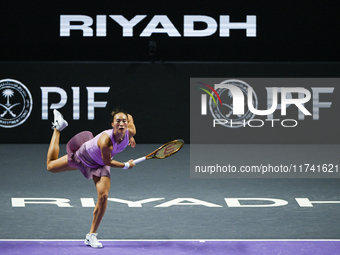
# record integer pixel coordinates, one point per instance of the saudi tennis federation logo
(15, 103)
(222, 103)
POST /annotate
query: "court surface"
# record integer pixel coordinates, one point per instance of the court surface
(156, 208)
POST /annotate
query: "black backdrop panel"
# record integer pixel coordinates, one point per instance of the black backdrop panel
(157, 96)
(289, 30)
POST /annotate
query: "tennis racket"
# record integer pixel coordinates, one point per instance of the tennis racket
(166, 150)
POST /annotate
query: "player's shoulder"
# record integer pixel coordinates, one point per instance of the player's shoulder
(104, 139)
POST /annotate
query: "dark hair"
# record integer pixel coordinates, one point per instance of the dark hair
(116, 111)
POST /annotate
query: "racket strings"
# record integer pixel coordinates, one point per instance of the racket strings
(169, 149)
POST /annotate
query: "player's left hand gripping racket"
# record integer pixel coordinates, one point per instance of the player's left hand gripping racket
(166, 150)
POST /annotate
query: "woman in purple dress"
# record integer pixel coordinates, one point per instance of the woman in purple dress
(93, 157)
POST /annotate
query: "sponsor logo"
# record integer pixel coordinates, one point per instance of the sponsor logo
(92, 104)
(157, 24)
(234, 103)
(15, 103)
(188, 201)
(224, 111)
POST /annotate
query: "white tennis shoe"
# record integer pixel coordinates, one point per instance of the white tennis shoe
(59, 122)
(91, 240)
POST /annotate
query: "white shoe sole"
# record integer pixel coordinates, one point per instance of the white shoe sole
(93, 246)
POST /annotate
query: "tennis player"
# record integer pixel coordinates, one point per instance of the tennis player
(93, 157)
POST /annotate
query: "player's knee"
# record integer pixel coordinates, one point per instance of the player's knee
(102, 198)
(50, 167)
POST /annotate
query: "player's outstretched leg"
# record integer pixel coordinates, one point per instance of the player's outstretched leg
(55, 164)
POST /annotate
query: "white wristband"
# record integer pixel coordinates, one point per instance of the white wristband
(127, 165)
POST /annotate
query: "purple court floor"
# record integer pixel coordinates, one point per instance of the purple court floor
(235, 247)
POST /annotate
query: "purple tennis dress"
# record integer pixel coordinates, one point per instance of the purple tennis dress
(83, 153)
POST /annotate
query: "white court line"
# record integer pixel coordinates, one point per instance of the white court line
(174, 240)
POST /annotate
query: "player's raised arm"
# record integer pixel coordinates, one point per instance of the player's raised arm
(132, 131)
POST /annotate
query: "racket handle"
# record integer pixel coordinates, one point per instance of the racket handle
(136, 161)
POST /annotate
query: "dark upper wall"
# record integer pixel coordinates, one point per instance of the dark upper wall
(289, 30)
